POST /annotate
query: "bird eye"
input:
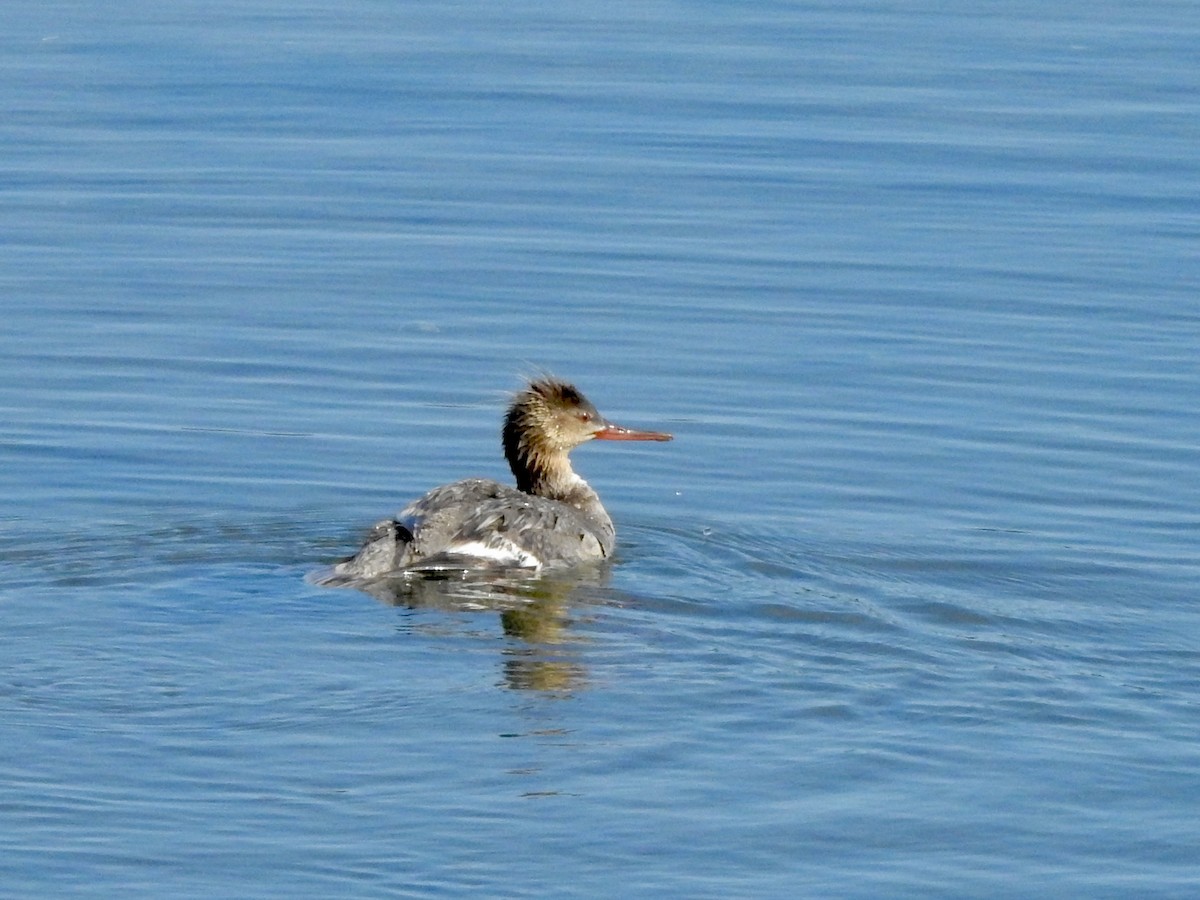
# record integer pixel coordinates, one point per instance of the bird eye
(585, 417)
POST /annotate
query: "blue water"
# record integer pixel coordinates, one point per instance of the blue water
(908, 608)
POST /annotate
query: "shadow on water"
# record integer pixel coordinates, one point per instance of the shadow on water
(536, 614)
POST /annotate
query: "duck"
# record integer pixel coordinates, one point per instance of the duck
(551, 518)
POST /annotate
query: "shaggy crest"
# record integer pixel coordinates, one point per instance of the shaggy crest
(545, 420)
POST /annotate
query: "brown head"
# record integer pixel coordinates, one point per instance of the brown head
(546, 421)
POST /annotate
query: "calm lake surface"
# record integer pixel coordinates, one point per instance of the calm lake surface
(908, 608)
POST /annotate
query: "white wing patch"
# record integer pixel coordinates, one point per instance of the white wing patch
(500, 550)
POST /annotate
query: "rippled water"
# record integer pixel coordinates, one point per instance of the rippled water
(907, 608)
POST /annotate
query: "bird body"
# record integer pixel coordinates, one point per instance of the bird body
(551, 518)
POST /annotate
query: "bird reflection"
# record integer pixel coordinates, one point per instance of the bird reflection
(543, 664)
(536, 612)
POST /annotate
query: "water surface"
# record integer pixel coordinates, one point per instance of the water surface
(908, 606)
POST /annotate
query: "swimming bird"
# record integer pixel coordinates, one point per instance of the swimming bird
(552, 518)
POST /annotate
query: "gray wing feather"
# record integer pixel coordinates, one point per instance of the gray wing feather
(440, 530)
